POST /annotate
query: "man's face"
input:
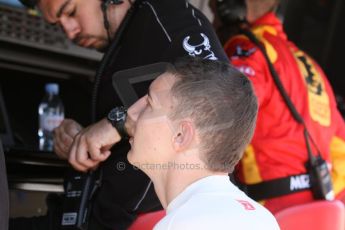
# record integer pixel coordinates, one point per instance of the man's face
(82, 20)
(152, 130)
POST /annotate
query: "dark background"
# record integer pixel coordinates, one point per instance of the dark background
(318, 27)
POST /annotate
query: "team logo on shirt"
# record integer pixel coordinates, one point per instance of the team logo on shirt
(199, 49)
(241, 52)
(246, 205)
(246, 70)
(319, 107)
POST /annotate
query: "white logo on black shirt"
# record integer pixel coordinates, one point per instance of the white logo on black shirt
(202, 50)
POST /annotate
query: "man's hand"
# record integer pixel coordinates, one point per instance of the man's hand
(63, 137)
(92, 145)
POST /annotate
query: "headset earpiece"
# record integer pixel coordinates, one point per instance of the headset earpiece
(115, 2)
(231, 11)
(104, 7)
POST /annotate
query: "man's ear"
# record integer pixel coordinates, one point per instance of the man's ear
(184, 136)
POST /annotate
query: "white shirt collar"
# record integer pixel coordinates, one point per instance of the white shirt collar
(206, 184)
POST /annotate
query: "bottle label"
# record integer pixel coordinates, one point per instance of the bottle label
(49, 123)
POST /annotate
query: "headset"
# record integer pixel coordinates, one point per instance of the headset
(231, 11)
(104, 7)
(115, 2)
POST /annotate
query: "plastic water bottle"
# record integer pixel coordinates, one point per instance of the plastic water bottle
(51, 113)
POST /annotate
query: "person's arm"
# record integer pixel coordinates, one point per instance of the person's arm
(92, 145)
(64, 135)
(337, 150)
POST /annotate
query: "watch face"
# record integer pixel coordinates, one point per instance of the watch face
(117, 114)
(117, 118)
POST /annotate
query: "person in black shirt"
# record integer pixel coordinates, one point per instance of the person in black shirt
(131, 33)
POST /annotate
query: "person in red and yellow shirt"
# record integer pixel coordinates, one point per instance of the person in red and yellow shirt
(278, 149)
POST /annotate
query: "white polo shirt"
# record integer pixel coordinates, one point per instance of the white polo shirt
(215, 203)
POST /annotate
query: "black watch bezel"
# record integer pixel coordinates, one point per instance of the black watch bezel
(117, 118)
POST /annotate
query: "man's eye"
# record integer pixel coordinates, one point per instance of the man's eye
(71, 14)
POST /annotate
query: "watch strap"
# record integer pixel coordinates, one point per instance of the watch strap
(118, 120)
(120, 127)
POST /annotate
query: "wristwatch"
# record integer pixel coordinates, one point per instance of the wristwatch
(117, 118)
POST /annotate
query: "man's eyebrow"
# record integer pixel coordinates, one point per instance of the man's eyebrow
(63, 6)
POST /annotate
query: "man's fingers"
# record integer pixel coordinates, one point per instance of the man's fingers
(60, 152)
(104, 155)
(62, 145)
(87, 163)
(73, 156)
(91, 145)
(82, 155)
(66, 139)
(95, 152)
(62, 140)
(79, 157)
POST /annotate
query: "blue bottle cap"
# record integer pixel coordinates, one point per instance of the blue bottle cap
(52, 88)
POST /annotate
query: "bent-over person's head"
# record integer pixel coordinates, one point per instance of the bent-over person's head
(199, 114)
(84, 21)
(230, 16)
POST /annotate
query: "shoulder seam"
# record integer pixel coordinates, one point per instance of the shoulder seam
(158, 20)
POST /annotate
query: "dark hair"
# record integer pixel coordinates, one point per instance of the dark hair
(231, 12)
(29, 3)
(222, 104)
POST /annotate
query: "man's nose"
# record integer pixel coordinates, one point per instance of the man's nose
(136, 109)
(133, 114)
(70, 26)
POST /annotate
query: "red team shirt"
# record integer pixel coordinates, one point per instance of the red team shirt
(278, 147)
